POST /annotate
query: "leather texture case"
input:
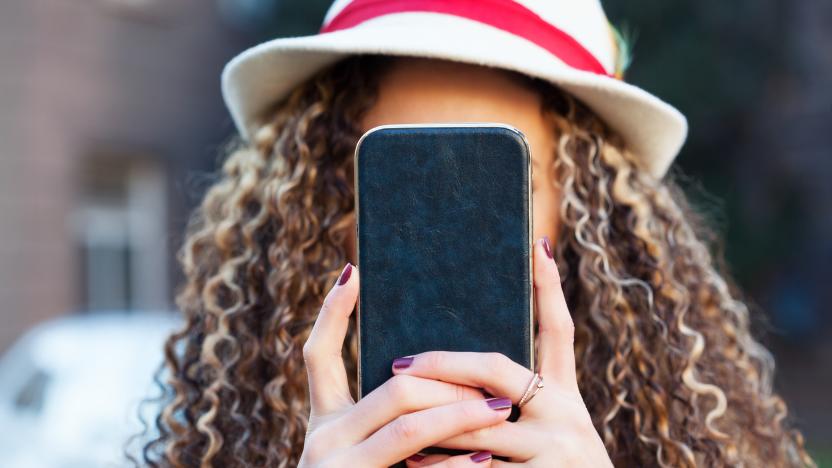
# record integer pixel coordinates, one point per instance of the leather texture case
(444, 238)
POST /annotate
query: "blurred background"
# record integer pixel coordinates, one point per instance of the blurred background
(112, 122)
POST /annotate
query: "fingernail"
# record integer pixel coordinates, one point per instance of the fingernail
(499, 403)
(402, 362)
(481, 456)
(547, 247)
(417, 457)
(345, 274)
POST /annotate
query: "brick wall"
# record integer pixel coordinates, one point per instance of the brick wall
(80, 77)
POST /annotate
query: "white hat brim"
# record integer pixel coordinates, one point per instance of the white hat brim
(257, 77)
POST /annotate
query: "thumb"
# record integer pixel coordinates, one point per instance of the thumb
(328, 385)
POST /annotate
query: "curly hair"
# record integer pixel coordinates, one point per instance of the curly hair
(666, 360)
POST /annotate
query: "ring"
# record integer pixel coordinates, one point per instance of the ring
(535, 384)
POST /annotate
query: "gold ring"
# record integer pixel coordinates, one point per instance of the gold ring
(535, 384)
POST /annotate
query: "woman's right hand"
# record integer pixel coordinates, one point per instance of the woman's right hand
(394, 421)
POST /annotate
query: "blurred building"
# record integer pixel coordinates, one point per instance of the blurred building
(109, 110)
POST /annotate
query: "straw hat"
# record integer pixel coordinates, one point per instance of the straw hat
(567, 42)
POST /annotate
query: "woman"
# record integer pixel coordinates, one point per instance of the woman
(643, 342)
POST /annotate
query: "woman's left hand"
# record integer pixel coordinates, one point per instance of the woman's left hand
(554, 427)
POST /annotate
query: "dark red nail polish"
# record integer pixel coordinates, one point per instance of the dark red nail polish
(416, 457)
(402, 362)
(499, 403)
(481, 456)
(547, 247)
(345, 274)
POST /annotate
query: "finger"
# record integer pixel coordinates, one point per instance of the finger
(494, 372)
(410, 432)
(478, 459)
(505, 464)
(420, 459)
(556, 350)
(328, 384)
(514, 440)
(399, 395)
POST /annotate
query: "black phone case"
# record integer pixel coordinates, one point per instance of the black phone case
(444, 244)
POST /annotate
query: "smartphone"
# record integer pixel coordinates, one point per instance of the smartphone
(443, 233)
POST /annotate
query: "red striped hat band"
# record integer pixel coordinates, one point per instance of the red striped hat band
(506, 15)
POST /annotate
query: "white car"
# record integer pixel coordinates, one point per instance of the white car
(70, 388)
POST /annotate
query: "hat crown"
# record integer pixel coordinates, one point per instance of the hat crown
(584, 20)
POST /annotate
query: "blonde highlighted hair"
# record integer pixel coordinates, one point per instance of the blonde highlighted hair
(666, 361)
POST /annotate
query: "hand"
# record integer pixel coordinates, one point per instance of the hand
(393, 421)
(554, 427)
